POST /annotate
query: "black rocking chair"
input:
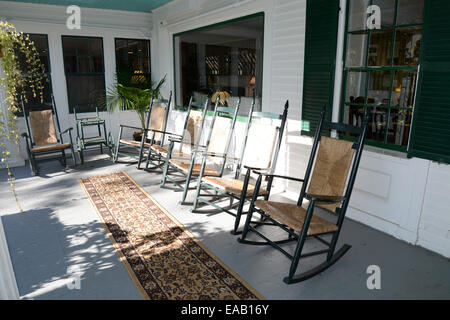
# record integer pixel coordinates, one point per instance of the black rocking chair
(44, 138)
(328, 183)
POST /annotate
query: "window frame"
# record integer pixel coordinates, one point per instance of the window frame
(250, 16)
(149, 74)
(83, 74)
(369, 69)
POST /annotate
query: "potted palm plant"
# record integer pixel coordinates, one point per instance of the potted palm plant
(121, 97)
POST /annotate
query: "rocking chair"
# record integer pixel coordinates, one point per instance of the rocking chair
(260, 149)
(328, 183)
(158, 153)
(156, 121)
(217, 143)
(44, 138)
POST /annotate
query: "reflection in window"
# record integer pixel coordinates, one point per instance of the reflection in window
(85, 77)
(41, 43)
(133, 62)
(225, 58)
(381, 75)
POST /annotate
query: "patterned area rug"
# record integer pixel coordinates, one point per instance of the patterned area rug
(163, 258)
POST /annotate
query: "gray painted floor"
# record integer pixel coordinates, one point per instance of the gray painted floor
(58, 237)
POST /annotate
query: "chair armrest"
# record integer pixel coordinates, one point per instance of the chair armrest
(325, 198)
(67, 130)
(254, 168)
(25, 135)
(212, 154)
(278, 176)
(164, 132)
(131, 127)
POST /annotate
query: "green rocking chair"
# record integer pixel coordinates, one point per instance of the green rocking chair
(328, 183)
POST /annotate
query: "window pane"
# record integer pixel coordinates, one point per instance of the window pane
(96, 48)
(399, 126)
(356, 87)
(387, 8)
(225, 58)
(356, 50)
(84, 92)
(407, 46)
(377, 124)
(410, 11)
(380, 49)
(85, 86)
(357, 17)
(133, 62)
(379, 87)
(70, 64)
(34, 103)
(404, 88)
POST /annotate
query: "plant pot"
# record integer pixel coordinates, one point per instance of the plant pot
(137, 136)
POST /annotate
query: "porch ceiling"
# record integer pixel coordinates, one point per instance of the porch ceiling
(130, 5)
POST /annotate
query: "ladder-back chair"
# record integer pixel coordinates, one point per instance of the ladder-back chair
(156, 121)
(328, 183)
(44, 138)
(193, 125)
(260, 148)
(217, 142)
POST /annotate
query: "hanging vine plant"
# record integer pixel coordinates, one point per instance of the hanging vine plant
(23, 72)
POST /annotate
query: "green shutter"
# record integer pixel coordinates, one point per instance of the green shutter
(320, 58)
(430, 136)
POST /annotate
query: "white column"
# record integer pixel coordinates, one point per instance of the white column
(8, 285)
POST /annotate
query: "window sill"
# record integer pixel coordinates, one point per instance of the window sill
(387, 152)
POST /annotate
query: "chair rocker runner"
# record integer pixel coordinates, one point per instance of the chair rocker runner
(157, 154)
(217, 143)
(328, 183)
(156, 121)
(260, 150)
(44, 137)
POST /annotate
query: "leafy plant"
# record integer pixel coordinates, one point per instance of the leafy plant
(121, 97)
(18, 77)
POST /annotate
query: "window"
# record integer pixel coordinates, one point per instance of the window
(133, 62)
(85, 74)
(225, 57)
(41, 43)
(381, 69)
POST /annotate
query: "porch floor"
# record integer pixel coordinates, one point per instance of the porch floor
(59, 230)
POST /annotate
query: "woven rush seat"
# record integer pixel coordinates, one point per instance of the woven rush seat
(184, 166)
(293, 216)
(234, 186)
(60, 146)
(164, 151)
(134, 143)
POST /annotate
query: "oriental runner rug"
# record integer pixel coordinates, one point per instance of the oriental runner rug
(162, 257)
